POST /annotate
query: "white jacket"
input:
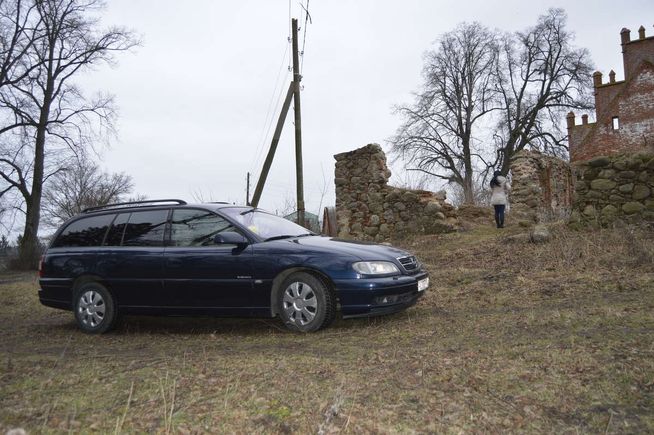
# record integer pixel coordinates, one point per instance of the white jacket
(499, 194)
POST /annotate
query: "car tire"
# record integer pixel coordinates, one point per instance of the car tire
(94, 308)
(306, 303)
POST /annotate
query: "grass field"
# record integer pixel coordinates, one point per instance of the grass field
(511, 337)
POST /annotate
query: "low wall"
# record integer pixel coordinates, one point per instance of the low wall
(367, 208)
(615, 189)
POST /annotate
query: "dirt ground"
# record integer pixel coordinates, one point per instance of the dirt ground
(511, 337)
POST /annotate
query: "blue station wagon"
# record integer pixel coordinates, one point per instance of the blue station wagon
(167, 257)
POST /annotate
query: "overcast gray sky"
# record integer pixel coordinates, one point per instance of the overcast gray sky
(194, 98)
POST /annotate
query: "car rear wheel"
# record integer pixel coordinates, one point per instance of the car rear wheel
(306, 304)
(94, 307)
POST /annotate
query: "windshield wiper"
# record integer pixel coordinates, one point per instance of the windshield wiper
(283, 236)
(287, 236)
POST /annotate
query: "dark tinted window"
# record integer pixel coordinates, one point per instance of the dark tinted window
(88, 231)
(196, 227)
(145, 228)
(115, 235)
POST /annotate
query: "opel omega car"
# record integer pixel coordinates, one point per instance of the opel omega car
(167, 257)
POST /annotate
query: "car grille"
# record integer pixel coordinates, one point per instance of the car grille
(410, 264)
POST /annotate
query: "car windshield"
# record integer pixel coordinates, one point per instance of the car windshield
(265, 225)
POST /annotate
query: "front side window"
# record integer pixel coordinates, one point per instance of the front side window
(145, 228)
(196, 227)
(88, 231)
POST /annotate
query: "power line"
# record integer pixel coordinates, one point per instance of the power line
(290, 30)
(275, 108)
(268, 120)
(307, 18)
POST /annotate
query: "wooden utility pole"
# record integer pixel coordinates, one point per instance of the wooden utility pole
(247, 190)
(293, 93)
(298, 127)
(273, 147)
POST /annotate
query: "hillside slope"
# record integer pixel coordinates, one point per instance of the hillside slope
(512, 336)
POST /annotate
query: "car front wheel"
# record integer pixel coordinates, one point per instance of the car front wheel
(306, 303)
(94, 307)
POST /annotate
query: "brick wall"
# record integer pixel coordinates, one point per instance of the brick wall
(635, 112)
(604, 95)
(635, 51)
(630, 101)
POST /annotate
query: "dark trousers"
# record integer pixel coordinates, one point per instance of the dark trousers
(499, 215)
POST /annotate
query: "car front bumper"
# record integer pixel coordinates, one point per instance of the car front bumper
(366, 297)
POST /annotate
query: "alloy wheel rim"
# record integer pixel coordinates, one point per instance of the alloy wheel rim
(300, 303)
(91, 308)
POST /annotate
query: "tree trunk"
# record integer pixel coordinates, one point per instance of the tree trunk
(506, 160)
(29, 249)
(28, 257)
(468, 190)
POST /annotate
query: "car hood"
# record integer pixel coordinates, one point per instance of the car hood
(366, 251)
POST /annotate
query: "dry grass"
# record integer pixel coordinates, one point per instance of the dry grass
(511, 337)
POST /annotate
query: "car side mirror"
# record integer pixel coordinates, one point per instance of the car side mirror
(230, 238)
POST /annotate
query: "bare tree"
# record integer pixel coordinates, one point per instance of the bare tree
(199, 195)
(80, 186)
(17, 35)
(19, 24)
(489, 95)
(408, 178)
(456, 197)
(287, 207)
(540, 76)
(54, 120)
(324, 187)
(438, 133)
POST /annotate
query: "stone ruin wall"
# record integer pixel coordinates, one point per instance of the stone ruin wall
(614, 189)
(367, 208)
(603, 191)
(542, 187)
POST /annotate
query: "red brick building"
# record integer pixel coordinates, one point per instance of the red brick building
(624, 110)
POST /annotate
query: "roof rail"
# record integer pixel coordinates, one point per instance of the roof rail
(150, 202)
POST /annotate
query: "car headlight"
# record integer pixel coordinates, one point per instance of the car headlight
(375, 267)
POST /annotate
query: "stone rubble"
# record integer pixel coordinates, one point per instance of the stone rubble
(367, 208)
(542, 188)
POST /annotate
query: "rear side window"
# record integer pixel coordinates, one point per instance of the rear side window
(87, 231)
(145, 228)
(115, 235)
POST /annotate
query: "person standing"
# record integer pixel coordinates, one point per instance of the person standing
(500, 189)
